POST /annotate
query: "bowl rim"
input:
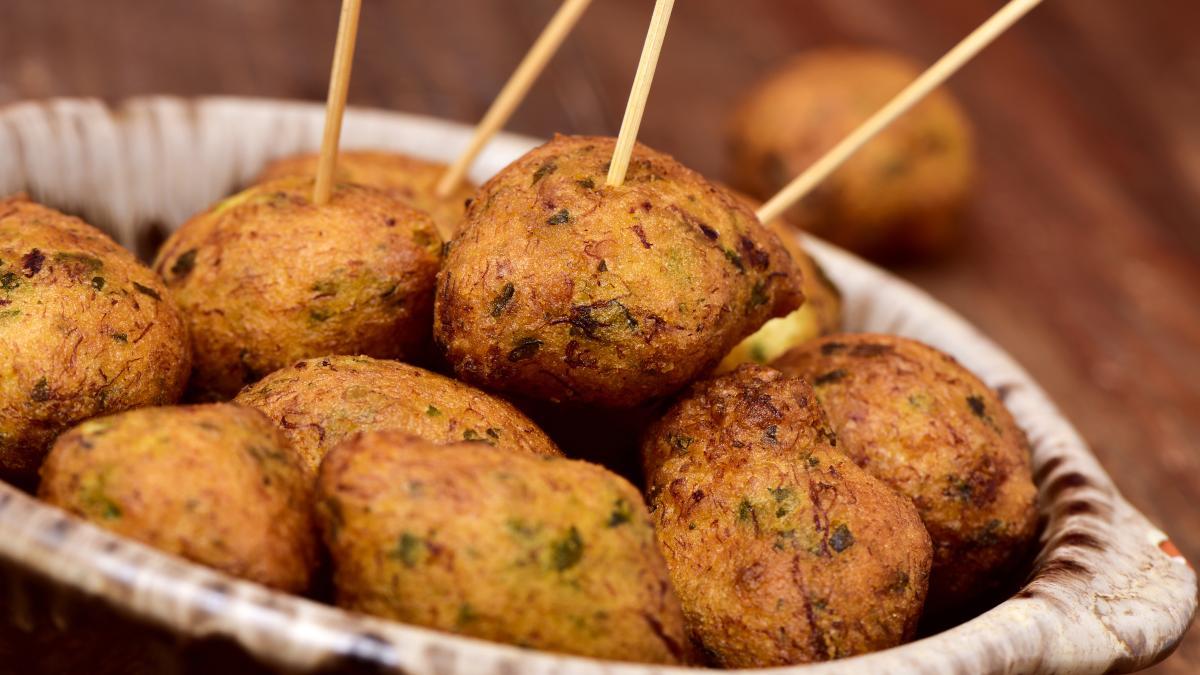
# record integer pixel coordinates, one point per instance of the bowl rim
(1108, 590)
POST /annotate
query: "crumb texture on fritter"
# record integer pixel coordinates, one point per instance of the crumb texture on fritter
(782, 550)
(319, 402)
(543, 552)
(216, 484)
(915, 418)
(562, 288)
(85, 330)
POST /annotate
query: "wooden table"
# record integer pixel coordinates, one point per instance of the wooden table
(1083, 256)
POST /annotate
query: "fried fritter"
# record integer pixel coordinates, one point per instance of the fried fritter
(542, 552)
(406, 178)
(562, 288)
(781, 549)
(821, 313)
(319, 402)
(216, 484)
(901, 195)
(916, 419)
(266, 278)
(85, 330)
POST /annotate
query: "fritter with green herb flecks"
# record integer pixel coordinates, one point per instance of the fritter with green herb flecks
(408, 179)
(85, 330)
(216, 484)
(266, 277)
(563, 288)
(319, 402)
(901, 195)
(781, 549)
(542, 552)
(919, 421)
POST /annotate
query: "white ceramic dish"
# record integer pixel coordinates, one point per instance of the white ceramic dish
(1108, 592)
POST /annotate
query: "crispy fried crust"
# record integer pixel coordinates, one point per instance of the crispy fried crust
(405, 178)
(781, 549)
(915, 418)
(562, 288)
(216, 484)
(266, 278)
(319, 402)
(901, 195)
(821, 313)
(542, 552)
(85, 330)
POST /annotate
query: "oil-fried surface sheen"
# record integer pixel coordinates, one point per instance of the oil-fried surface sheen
(901, 195)
(216, 484)
(406, 178)
(265, 278)
(916, 419)
(85, 330)
(542, 552)
(319, 402)
(781, 549)
(562, 288)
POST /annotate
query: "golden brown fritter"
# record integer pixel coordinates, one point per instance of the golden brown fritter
(543, 552)
(85, 330)
(216, 484)
(901, 195)
(916, 419)
(781, 549)
(319, 402)
(406, 178)
(266, 278)
(821, 313)
(562, 288)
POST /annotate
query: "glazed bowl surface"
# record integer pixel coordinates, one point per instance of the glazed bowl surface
(1108, 592)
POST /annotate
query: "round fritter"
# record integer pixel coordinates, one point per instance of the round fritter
(543, 552)
(216, 484)
(265, 278)
(85, 330)
(406, 178)
(916, 419)
(562, 288)
(319, 402)
(821, 313)
(781, 549)
(901, 195)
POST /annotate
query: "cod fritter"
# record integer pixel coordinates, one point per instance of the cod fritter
(266, 278)
(406, 178)
(319, 402)
(901, 195)
(216, 484)
(542, 552)
(85, 330)
(781, 549)
(821, 313)
(562, 288)
(916, 419)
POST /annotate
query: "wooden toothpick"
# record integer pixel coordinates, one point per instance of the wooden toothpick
(514, 90)
(932, 78)
(641, 89)
(335, 105)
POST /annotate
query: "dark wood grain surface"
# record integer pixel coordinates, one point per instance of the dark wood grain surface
(1083, 252)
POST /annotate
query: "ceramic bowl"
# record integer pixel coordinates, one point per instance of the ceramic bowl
(1108, 591)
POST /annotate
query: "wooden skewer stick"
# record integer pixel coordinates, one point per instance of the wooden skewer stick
(932, 78)
(335, 104)
(514, 90)
(640, 91)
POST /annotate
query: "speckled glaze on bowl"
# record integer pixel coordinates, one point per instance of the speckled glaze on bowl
(1108, 591)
